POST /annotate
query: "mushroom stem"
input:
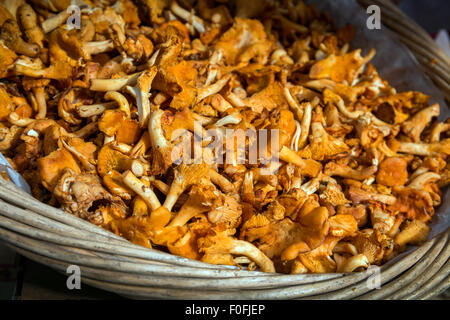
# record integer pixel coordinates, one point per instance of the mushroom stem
(235, 100)
(82, 158)
(39, 94)
(96, 47)
(292, 25)
(122, 147)
(233, 118)
(55, 21)
(305, 125)
(86, 131)
(420, 181)
(14, 118)
(352, 263)
(139, 168)
(145, 192)
(344, 171)
(291, 156)
(240, 247)
(59, 71)
(120, 99)
(11, 35)
(141, 146)
(293, 104)
(198, 23)
(212, 89)
(219, 180)
(142, 94)
(114, 84)
(435, 135)
(219, 103)
(424, 149)
(87, 111)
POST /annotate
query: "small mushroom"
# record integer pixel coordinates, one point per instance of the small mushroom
(28, 20)
(11, 35)
(141, 93)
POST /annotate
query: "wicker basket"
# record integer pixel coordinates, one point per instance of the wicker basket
(54, 238)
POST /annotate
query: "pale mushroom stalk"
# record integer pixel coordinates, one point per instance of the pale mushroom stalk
(204, 121)
(198, 23)
(87, 164)
(358, 195)
(139, 168)
(122, 147)
(292, 25)
(15, 119)
(424, 149)
(11, 35)
(234, 118)
(311, 186)
(223, 183)
(293, 104)
(291, 156)
(29, 22)
(96, 47)
(305, 126)
(160, 98)
(295, 138)
(265, 175)
(420, 181)
(160, 185)
(418, 172)
(344, 171)
(87, 111)
(49, 73)
(280, 56)
(341, 105)
(39, 94)
(320, 84)
(212, 68)
(235, 100)
(219, 103)
(435, 135)
(145, 192)
(417, 124)
(108, 139)
(121, 101)
(240, 247)
(212, 89)
(114, 84)
(248, 193)
(142, 93)
(158, 140)
(85, 131)
(55, 21)
(141, 146)
(352, 263)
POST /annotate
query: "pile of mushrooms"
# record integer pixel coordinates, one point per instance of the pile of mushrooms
(96, 119)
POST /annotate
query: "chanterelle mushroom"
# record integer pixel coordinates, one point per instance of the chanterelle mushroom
(78, 194)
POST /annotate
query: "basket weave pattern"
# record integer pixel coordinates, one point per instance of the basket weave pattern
(57, 239)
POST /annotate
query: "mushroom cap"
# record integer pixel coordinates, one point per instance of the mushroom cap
(109, 159)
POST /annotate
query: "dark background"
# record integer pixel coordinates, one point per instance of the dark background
(432, 15)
